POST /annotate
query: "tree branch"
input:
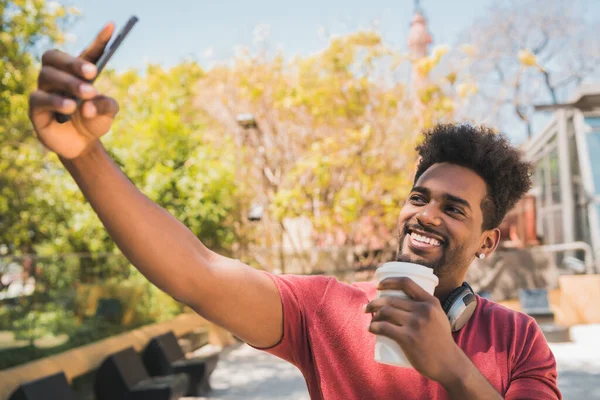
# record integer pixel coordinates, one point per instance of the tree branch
(549, 86)
(519, 109)
(540, 47)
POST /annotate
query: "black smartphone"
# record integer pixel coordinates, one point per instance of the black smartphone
(105, 57)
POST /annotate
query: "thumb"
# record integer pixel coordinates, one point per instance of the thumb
(96, 116)
(105, 106)
(99, 106)
(93, 52)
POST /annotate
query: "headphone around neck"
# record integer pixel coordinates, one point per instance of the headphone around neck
(460, 305)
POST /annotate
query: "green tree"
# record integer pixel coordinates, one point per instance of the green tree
(25, 201)
(158, 140)
(25, 26)
(336, 131)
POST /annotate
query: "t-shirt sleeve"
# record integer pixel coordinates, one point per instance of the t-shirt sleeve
(299, 294)
(534, 373)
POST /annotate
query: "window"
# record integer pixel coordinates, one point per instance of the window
(548, 202)
(554, 167)
(593, 140)
(556, 217)
(540, 181)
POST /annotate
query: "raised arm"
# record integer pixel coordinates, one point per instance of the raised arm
(224, 291)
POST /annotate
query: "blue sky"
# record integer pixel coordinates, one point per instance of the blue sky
(210, 31)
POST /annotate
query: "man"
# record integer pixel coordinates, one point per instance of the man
(466, 181)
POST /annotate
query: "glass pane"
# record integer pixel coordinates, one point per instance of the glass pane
(555, 176)
(559, 236)
(539, 223)
(593, 142)
(573, 157)
(596, 223)
(582, 228)
(541, 181)
(548, 232)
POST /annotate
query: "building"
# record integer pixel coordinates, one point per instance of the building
(562, 211)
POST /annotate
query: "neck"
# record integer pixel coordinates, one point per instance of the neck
(446, 286)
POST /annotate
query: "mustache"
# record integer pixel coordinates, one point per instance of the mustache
(419, 227)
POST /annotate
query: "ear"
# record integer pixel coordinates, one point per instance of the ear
(489, 241)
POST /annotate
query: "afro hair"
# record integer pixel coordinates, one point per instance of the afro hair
(487, 153)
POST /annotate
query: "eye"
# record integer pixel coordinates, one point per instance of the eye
(454, 210)
(417, 199)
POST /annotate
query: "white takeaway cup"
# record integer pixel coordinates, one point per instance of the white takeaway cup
(387, 351)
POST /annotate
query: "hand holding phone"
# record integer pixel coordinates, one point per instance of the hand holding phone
(64, 81)
(104, 58)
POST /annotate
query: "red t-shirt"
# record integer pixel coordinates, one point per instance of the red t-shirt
(325, 335)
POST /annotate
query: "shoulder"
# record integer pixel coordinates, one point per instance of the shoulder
(493, 312)
(303, 283)
(513, 330)
(530, 361)
(322, 282)
(311, 289)
(304, 289)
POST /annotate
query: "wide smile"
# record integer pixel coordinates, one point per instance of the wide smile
(423, 241)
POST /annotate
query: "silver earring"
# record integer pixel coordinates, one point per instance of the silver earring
(481, 256)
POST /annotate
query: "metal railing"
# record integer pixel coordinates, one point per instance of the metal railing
(590, 265)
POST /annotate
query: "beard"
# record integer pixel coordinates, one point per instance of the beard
(450, 256)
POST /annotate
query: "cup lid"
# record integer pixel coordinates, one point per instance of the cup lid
(401, 267)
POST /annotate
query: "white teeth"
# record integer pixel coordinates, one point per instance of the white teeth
(425, 239)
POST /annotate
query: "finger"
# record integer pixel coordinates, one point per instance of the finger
(407, 285)
(88, 109)
(42, 102)
(392, 301)
(100, 105)
(73, 65)
(43, 106)
(55, 80)
(394, 315)
(93, 52)
(388, 329)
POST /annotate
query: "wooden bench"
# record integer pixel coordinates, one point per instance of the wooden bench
(164, 356)
(52, 387)
(109, 310)
(122, 376)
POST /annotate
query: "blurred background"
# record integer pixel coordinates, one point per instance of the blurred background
(283, 135)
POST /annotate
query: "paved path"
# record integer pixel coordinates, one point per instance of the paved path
(579, 363)
(249, 374)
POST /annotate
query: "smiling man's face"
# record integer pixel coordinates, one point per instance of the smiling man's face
(441, 222)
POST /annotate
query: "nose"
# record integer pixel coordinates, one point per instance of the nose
(429, 215)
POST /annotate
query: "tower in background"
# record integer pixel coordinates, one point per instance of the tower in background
(419, 40)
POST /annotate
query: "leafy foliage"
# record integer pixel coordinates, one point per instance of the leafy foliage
(335, 131)
(159, 141)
